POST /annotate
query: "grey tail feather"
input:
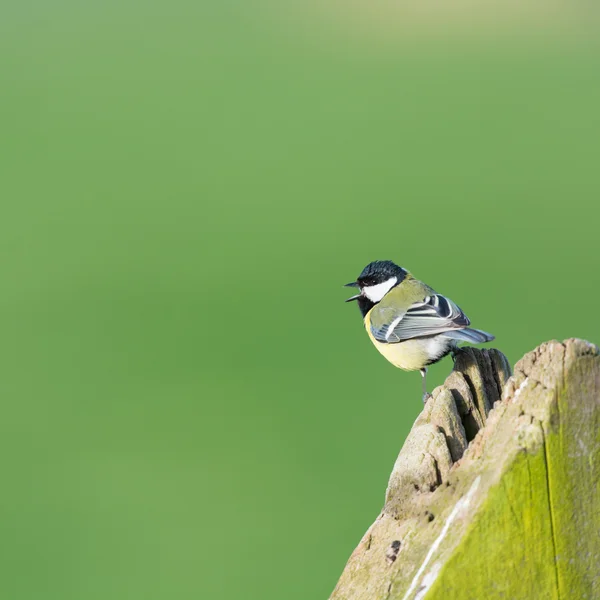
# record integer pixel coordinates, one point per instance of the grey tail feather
(475, 336)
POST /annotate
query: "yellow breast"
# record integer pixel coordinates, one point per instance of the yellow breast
(410, 355)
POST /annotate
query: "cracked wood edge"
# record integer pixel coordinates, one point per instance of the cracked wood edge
(493, 503)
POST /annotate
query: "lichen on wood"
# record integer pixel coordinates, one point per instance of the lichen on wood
(496, 491)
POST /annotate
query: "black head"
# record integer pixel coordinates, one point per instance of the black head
(379, 271)
(375, 281)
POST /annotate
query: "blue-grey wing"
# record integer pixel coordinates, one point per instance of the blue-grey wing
(435, 314)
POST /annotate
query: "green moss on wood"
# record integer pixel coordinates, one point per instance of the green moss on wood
(517, 515)
(507, 551)
(535, 535)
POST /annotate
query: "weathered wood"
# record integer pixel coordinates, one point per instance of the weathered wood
(490, 503)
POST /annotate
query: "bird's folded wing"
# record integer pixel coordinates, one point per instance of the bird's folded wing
(435, 314)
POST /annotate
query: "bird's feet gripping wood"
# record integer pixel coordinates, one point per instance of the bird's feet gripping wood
(426, 395)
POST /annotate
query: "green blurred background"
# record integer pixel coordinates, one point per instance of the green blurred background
(189, 409)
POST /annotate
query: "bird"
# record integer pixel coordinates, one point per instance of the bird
(410, 324)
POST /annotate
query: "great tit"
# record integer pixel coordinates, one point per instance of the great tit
(407, 321)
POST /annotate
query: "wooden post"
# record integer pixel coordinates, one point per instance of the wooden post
(496, 492)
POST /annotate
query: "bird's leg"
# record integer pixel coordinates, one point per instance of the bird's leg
(426, 396)
(454, 352)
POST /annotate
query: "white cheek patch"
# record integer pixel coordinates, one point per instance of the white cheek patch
(376, 292)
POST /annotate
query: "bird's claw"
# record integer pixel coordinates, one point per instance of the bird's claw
(426, 397)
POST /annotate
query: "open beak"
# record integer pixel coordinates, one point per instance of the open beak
(353, 284)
